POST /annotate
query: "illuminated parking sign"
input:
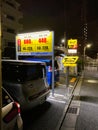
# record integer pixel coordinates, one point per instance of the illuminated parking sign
(35, 43)
(70, 60)
(72, 46)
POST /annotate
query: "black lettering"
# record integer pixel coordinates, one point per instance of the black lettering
(38, 48)
(45, 47)
(29, 48)
(24, 48)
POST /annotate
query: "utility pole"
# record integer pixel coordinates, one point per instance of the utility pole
(97, 61)
(85, 28)
(84, 25)
(84, 21)
(0, 71)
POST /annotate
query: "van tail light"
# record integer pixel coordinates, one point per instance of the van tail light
(12, 113)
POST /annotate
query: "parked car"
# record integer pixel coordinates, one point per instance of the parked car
(25, 81)
(11, 116)
(48, 69)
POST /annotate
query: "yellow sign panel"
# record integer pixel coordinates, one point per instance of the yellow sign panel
(65, 64)
(72, 42)
(34, 42)
(70, 60)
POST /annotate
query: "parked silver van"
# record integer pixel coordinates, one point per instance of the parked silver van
(25, 81)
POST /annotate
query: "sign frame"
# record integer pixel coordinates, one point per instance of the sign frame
(39, 46)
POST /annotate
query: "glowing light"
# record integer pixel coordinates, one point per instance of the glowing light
(92, 81)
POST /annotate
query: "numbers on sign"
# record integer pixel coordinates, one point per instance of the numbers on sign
(24, 48)
(29, 48)
(27, 41)
(42, 40)
(45, 47)
(38, 48)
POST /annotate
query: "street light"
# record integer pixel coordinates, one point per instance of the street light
(97, 61)
(63, 40)
(85, 47)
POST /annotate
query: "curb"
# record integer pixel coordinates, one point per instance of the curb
(67, 106)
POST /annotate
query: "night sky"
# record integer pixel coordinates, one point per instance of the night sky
(61, 16)
(43, 15)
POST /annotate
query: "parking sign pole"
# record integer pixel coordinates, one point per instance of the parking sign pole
(53, 64)
(67, 80)
(67, 76)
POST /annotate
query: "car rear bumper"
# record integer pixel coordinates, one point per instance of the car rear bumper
(34, 101)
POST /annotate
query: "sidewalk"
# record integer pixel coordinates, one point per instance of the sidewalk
(82, 112)
(63, 94)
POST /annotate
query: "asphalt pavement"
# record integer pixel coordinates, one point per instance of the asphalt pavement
(62, 94)
(82, 113)
(50, 115)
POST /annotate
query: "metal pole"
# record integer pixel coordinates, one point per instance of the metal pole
(97, 61)
(0, 71)
(84, 56)
(67, 76)
(84, 52)
(53, 66)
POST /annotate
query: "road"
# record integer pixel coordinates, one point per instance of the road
(81, 115)
(88, 117)
(83, 110)
(48, 116)
(45, 116)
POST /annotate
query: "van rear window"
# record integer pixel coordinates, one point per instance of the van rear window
(21, 72)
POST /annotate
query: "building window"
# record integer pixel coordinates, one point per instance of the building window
(10, 30)
(11, 4)
(10, 17)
